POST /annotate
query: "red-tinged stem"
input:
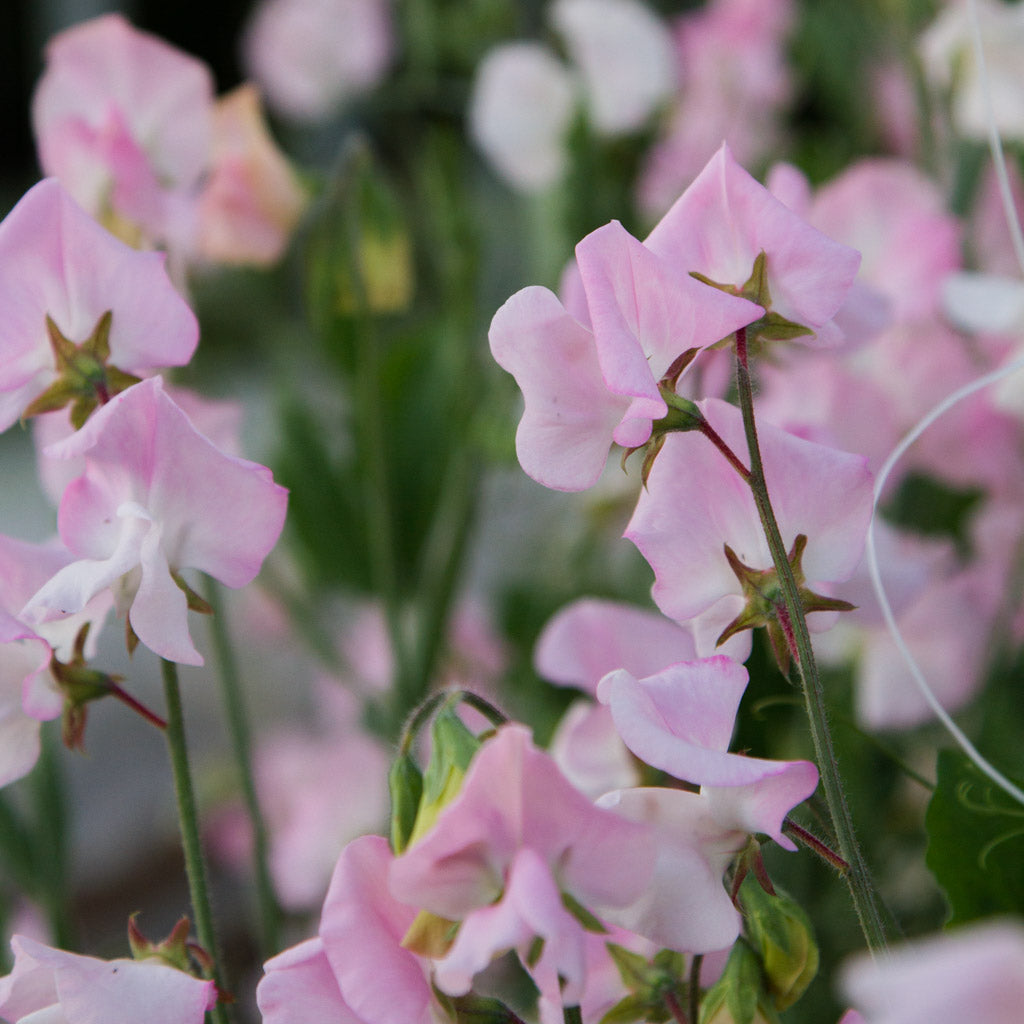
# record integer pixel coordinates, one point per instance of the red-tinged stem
(675, 1008)
(731, 457)
(813, 843)
(861, 888)
(137, 706)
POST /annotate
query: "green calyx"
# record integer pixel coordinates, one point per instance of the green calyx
(85, 379)
(764, 604)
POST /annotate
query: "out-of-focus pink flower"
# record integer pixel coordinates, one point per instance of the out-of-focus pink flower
(624, 54)
(311, 56)
(725, 219)
(59, 264)
(296, 774)
(734, 80)
(950, 64)
(50, 984)
(129, 125)
(124, 120)
(156, 498)
(520, 110)
(252, 199)
(973, 973)
(695, 503)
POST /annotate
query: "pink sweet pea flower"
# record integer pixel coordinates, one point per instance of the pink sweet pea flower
(156, 497)
(975, 973)
(681, 721)
(124, 120)
(695, 503)
(725, 219)
(59, 263)
(517, 817)
(585, 386)
(66, 988)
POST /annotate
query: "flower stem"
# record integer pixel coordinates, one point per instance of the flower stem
(693, 997)
(858, 879)
(188, 822)
(238, 724)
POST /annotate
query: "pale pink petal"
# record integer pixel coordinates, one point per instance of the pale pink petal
(592, 637)
(87, 990)
(531, 907)
(513, 797)
(686, 906)
(362, 927)
(725, 219)
(567, 425)
(645, 312)
(298, 987)
(588, 750)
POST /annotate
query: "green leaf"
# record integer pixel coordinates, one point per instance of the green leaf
(975, 841)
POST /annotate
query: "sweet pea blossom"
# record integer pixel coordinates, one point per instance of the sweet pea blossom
(695, 503)
(125, 121)
(156, 497)
(681, 720)
(59, 264)
(520, 111)
(501, 853)
(24, 660)
(65, 988)
(624, 54)
(587, 385)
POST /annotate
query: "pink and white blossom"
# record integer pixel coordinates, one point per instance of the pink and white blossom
(65, 988)
(156, 497)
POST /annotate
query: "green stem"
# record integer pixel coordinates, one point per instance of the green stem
(858, 878)
(188, 822)
(572, 1015)
(694, 988)
(241, 742)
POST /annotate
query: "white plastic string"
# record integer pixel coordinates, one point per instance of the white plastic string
(939, 410)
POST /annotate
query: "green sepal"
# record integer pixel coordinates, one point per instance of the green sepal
(584, 916)
(475, 1009)
(405, 783)
(633, 1008)
(779, 929)
(194, 601)
(453, 747)
(733, 999)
